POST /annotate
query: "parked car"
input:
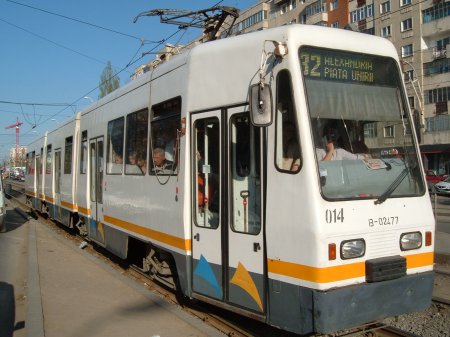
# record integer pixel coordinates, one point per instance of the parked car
(434, 178)
(443, 187)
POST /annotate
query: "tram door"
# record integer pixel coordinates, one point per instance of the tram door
(96, 163)
(227, 236)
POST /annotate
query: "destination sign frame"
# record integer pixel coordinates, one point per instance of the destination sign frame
(335, 65)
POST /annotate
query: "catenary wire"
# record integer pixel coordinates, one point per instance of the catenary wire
(82, 22)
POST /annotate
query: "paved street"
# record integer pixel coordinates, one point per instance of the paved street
(13, 275)
(442, 213)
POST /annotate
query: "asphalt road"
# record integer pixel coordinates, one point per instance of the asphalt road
(442, 214)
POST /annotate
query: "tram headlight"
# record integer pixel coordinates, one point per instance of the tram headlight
(410, 241)
(352, 249)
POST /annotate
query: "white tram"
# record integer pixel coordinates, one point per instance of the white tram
(275, 174)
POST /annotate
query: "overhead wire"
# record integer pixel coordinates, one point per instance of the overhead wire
(81, 21)
(52, 42)
(114, 75)
(73, 104)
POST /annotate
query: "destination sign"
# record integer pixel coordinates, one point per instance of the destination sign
(334, 65)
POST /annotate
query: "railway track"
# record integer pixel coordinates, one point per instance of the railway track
(224, 321)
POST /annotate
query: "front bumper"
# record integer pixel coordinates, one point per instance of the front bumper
(351, 306)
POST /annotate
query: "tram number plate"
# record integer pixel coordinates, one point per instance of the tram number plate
(383, 221)
(334, 215)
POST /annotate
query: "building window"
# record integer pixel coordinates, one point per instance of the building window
(439, 66)
(405, 3)
(335, 24)
(385, 7)
(438, 123)
(406, 25)
(315, 8)
(362, 13)
(408, 75)
(411, 102)
(407, 50)
(386, 31)
(334, 5)
(389, 131)
(441, 10)
(437, 95)
(248, 22)
(370, 130)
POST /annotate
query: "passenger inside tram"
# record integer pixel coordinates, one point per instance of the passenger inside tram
(160, 163)
(336, 144)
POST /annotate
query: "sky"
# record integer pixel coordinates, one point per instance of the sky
(52, 54)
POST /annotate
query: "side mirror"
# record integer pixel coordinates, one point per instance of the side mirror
(260, 105)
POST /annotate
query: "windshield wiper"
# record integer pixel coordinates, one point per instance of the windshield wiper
(392, 187)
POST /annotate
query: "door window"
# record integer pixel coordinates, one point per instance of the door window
(58, 171)
(207, 172)
(246, 182)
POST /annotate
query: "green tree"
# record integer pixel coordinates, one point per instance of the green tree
(108, 82)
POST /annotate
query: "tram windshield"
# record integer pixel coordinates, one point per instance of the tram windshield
(361, 126)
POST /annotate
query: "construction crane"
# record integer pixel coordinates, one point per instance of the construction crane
(210, 19)
(17, 126)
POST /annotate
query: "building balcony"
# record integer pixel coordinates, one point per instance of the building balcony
(436, 27)
(436, 80)
(434, 53)
(316, 18)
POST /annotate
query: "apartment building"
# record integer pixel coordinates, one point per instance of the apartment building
(420, 30)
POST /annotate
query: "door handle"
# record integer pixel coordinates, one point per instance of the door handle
(256, 246)
(197, 236)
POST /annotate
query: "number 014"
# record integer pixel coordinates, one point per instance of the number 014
(334, 215)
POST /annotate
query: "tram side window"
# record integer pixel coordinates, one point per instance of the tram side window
(39, 170)
(28, 163)
(48, 158)
(41, 162)
(114, 155)
(165, 128)
(287, 151)
(57, 171)
(83, 152)
(136, 143)
(32, 163)
(68, 155)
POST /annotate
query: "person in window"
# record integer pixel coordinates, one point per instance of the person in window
(334, 149)
(160, 164)
(291, 150)
(142, 164)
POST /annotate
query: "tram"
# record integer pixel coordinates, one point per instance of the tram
(275, 174)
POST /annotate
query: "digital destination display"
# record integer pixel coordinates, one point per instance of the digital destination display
(325, 64)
